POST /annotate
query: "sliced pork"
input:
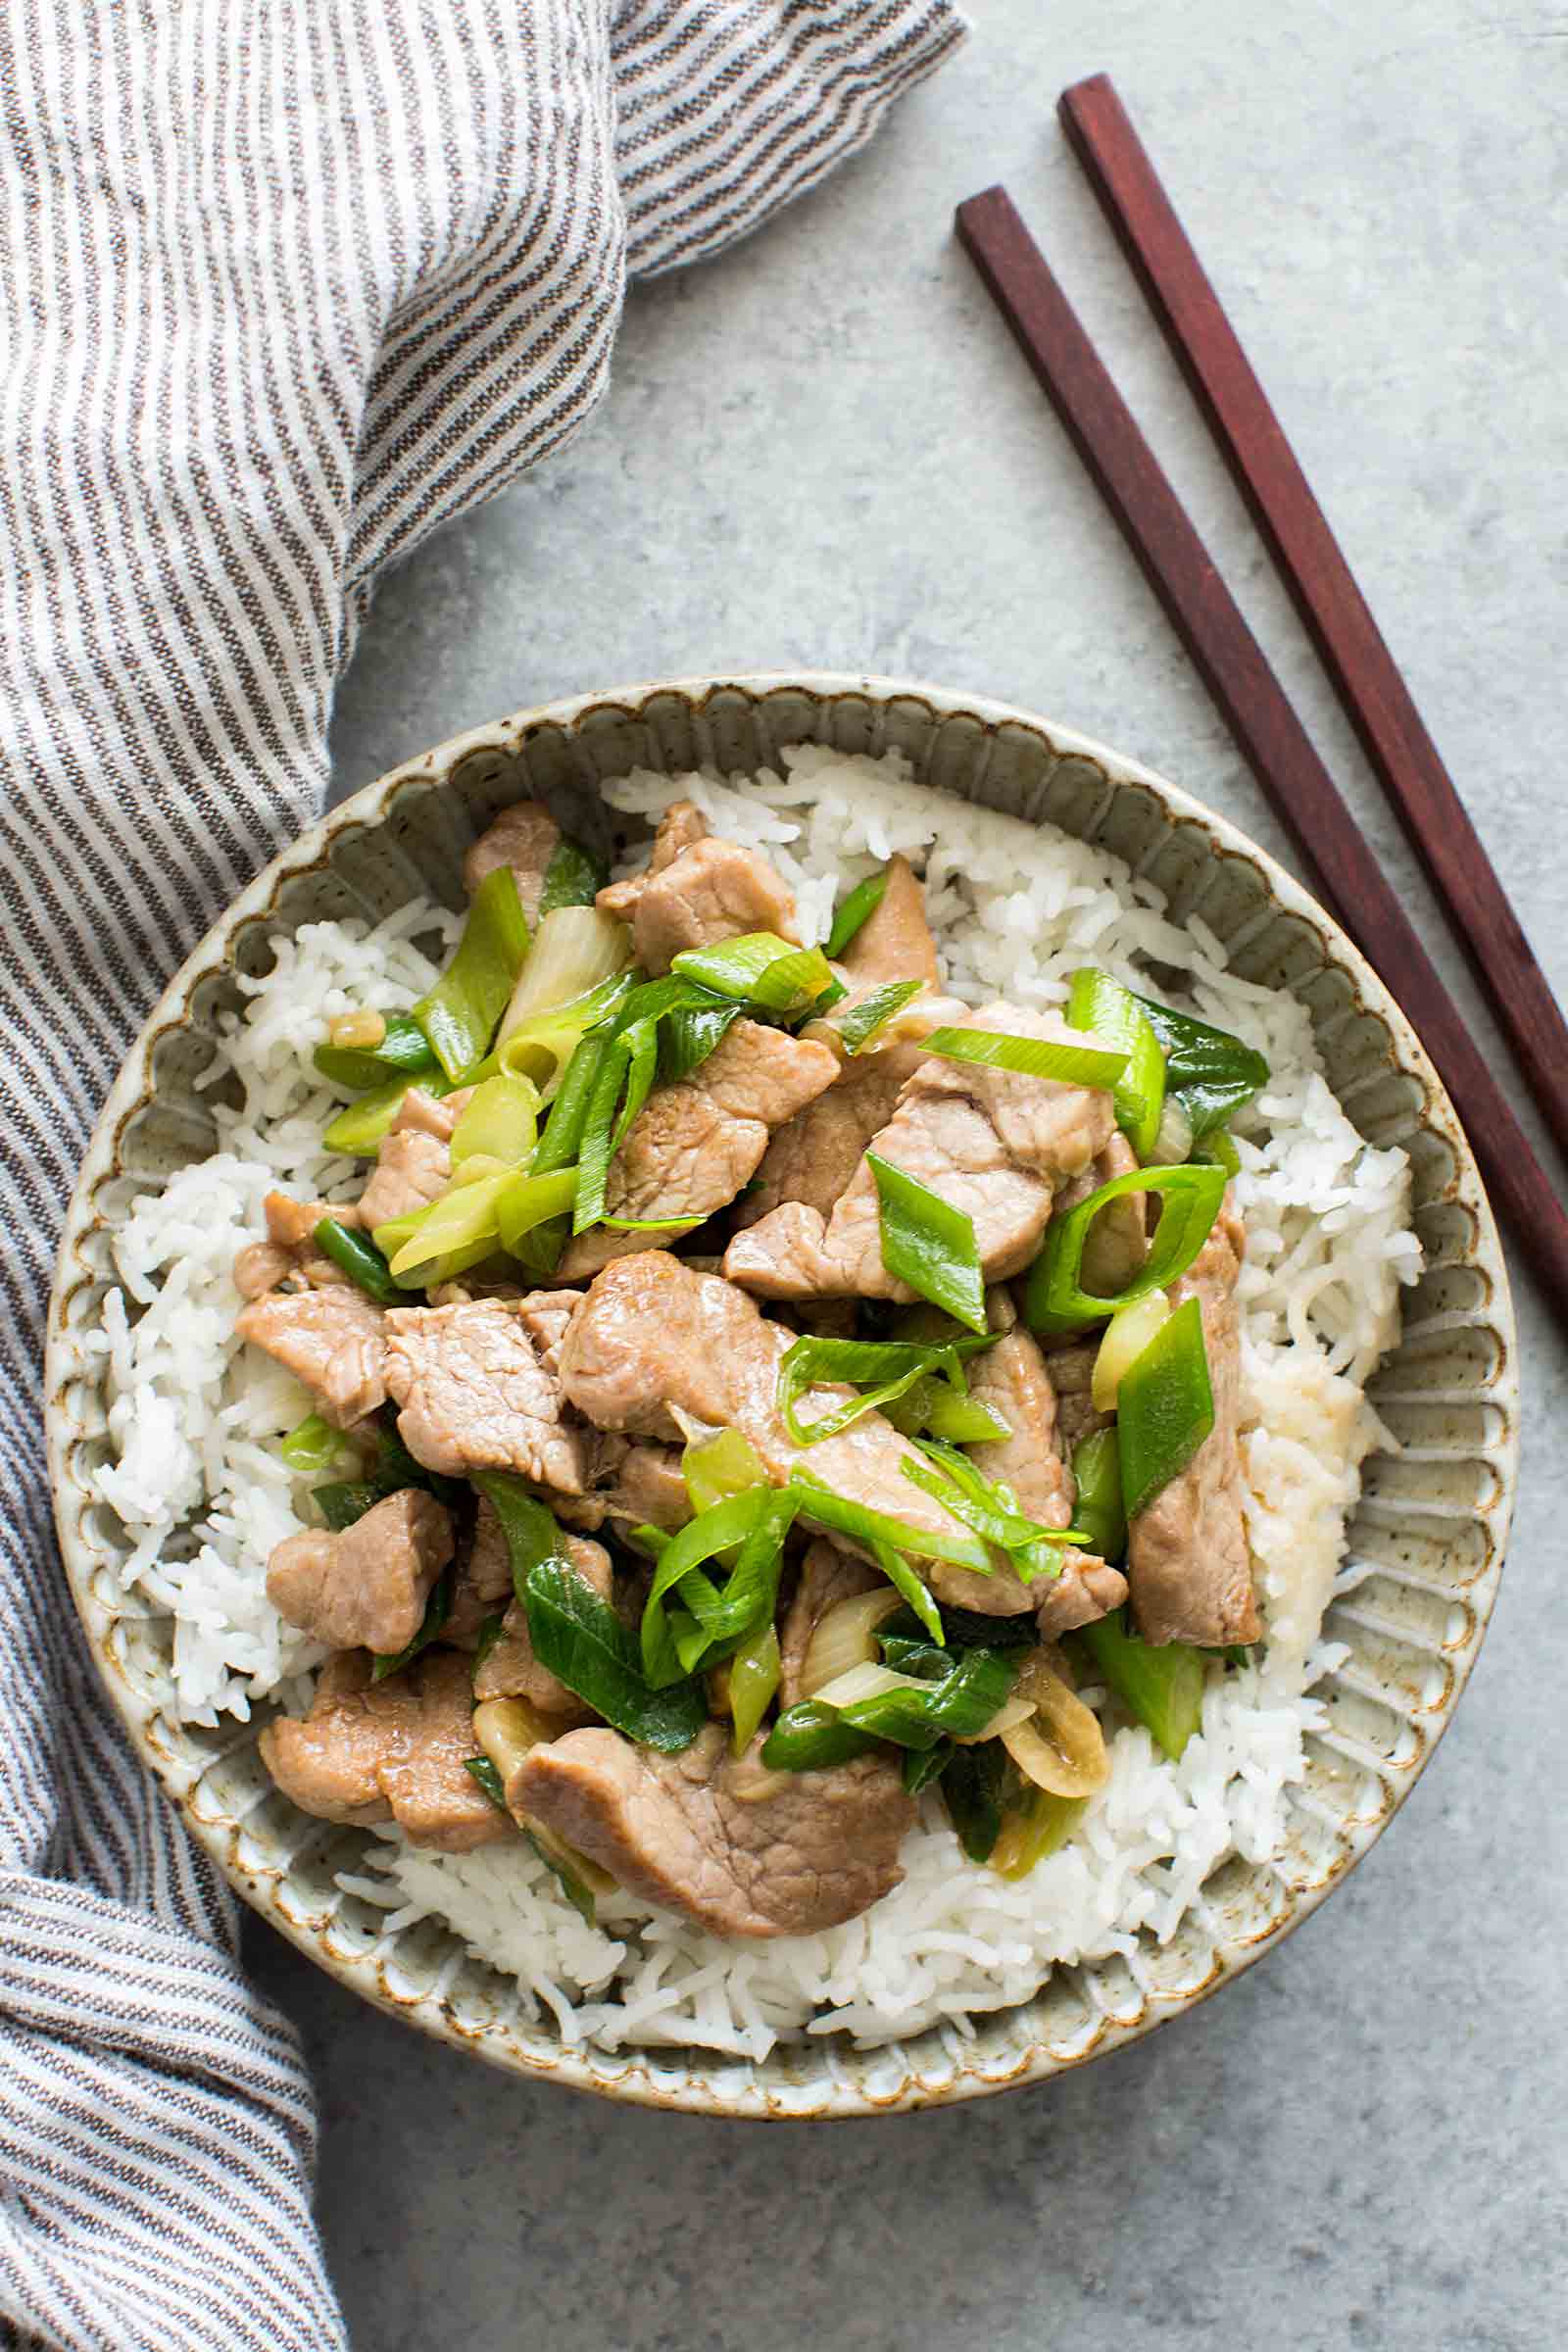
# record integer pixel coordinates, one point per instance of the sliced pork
(368, 1586)
(654, 1339)
(1187, 1562)
(393, 1750)
(996, 1144)
(678, 828)
(697, 1141)
(712, 890)
(482, 1587)
(524, 837)
(330, 1338)
(895, 940)
(737, 1849)
(473, 1394)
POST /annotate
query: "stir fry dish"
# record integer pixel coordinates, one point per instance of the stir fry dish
(755, 1392)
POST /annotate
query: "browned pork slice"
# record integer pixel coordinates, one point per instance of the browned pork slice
(827, 1577)
(813, 1156)
(524, 837)
(679, 827)
(544, 1316)
(388, 1752)
(1086, 1587)
(895, 940)
(331, 1338)
(289, 1253)
(366, 1587)
(1118, 1242)
(511, 1671)
(1072, 1371)
(646, 1489)
(712, 890)
(994, 1143)
(431, 1115)
(482, 1586)
(654, 1339)
(736, 1848)
(1186, 1558)
(697, 1141)
(473, 1394)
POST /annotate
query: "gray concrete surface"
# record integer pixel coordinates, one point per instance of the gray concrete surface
(823, 450)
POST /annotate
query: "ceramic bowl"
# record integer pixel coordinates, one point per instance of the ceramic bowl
(1432, 1520)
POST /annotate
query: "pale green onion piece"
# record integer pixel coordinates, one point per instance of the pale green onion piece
(359, 1128)
(1028, 1057)
(527, 1201)
(576, 950)
(1173, 1142)
(865, 1021)
(541, 1048)
(1219, 1147)
(458, 1220)
(500, 1122)
(459, 1014)
(759, 968)
(929, 1244)
(314, 1445)
(719, 1466)
(1125, 1336)
(1164, 1407)
(756, 1671)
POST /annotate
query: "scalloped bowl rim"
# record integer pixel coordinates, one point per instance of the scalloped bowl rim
(668, 2078)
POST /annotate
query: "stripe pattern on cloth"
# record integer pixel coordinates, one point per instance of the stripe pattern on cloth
(283, 285)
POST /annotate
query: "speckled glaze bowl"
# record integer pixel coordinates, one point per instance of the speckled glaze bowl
(1431, 1521)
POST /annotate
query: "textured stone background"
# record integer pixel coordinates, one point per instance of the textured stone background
(825, 451)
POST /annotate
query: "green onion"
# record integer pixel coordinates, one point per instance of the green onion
(959, 1707)
(1100, 1003)
(990, 1510)
(1162, 1686)
(314, 1445)
(531, 1531)
(929, 1244)
(541, 1044)
(755, 1673)
(459, 1014)
(597, 1147)
(1098, 1512)
(501, 1122)
(437, 1609)
(971, 1790)
(459, 1225)
(403, 1053)
(359, 1128)
(963, 1421)
(489, 1780)
(858, 907)
(343, 1500)
(579, 1639)
(561, 1139)
(1218, 1147)
(1028, 1057)
(913, 1590)
(892, 1367)
(1164, 1407)
(716, 1467)
(689, 1033)
(575, 877)
(527, 1202)
(861, 1024)
(1191, 1197)
(753, 1525)
(811, 1738)
(841, 1516)
(1212, 1071)
(360, 1259)
(1034, 1825)
(578, 1893)
(759, 968)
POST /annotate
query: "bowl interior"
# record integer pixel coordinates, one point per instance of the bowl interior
(1429, 1529)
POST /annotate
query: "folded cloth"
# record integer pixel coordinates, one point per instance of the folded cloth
(285, 283)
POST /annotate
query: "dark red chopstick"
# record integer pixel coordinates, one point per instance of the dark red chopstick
(1256, 710)
(1350, 644)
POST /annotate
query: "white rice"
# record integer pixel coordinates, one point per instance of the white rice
(204, 1496)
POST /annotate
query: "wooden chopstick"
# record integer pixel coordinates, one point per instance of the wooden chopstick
(1256, 710)
(1374, 696)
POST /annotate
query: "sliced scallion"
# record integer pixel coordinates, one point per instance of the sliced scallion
(929, 1244)
(1164, 1407)
(857, 909)
(1028, 1057)
(459, 1014)
(1102, 1004)
(865, 1021)
(1190, 1195)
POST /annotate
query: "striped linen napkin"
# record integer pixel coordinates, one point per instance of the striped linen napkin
(284, 284)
